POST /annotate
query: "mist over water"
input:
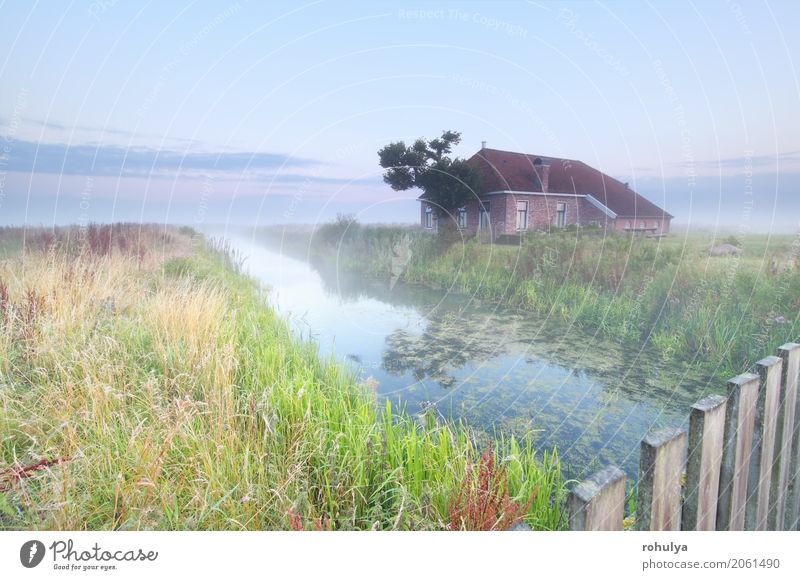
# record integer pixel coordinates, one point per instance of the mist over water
(498, 370)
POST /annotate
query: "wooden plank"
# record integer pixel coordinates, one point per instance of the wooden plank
(783, 436)
(759, 478)
(598, 503)
(740, 417)
(790, 353)
(660, 469)
(704, 461)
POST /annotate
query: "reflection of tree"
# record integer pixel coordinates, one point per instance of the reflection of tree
(449, 342)
(459, 333)
(352, 287)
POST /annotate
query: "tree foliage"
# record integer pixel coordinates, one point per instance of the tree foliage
(447, 182)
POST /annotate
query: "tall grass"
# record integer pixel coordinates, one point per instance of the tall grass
(160, 392)
(365, 249)
(667, 293)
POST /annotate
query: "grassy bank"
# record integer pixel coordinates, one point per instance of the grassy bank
(144, 384)
(668, 293)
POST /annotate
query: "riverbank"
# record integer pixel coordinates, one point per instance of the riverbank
(146, 385)
(669, 294)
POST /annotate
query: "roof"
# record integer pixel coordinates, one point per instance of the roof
(509, 171)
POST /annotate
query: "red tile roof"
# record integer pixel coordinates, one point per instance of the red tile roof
(506, 170)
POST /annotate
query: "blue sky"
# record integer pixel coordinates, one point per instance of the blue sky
(273, 112)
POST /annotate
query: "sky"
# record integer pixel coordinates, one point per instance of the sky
(263, 113)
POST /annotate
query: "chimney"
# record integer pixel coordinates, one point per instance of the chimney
(483, 144)
(542, 169)
(545, 177)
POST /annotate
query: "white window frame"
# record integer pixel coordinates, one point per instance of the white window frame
(561, 215)
(522, 211)
(461, 218)
(628, 224)
(485, 215)
(428, 217)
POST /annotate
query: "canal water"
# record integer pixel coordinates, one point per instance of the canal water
(497, 369)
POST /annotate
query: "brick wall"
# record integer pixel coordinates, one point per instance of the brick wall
(542, 211)
(590, 214)
(499, 215)
(472, 218)
(652, 225)
(542, 214)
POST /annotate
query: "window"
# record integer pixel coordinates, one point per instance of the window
(628, 225)
(561, 215)
(428, 217)
(655, 226)
(462, 217)
(522, 215)
(642, 225)
(486, 213)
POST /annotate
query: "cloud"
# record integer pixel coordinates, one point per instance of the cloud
(46, 124)
(113, 160)
(97, 133)
(299, 179)
(753, 161)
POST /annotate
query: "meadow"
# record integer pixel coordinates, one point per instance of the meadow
(146, 384)
(668, 294)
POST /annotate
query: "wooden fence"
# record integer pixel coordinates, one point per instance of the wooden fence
(737, 468)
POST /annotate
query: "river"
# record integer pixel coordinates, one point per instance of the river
(495, 368)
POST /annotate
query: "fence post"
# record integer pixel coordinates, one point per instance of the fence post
(598, 503)
(783, 448)
(790, 353)
(660, 470)
(739, 423)
(759, 479)
(704, 460)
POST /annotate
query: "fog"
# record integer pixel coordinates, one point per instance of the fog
(766, 203)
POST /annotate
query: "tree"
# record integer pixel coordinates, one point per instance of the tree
(448, 183)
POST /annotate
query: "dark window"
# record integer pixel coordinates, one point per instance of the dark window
(428, 217)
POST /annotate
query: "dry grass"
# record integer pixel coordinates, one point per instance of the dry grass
(148, 387)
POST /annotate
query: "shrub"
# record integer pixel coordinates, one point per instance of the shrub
(483, 502)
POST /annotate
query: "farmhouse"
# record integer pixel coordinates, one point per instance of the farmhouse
(522, 192)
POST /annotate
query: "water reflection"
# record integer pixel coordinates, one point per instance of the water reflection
(450, 341)
(495, 368)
